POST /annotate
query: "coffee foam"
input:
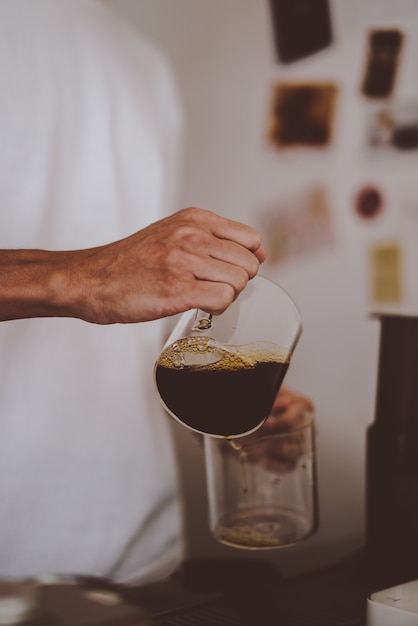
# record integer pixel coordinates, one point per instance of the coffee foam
(205, 352)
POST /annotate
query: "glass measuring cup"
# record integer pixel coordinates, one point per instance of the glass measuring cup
(220, 375)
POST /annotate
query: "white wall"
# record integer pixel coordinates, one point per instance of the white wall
(222, 54)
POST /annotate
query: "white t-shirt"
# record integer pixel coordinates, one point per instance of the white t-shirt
(89, 129)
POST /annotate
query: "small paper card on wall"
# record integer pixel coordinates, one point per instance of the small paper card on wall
(297, 225)
(392, 129)
(386, 272)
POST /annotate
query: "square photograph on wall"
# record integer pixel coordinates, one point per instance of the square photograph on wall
(302, 114)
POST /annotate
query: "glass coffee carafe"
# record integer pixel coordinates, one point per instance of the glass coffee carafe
(220, 375)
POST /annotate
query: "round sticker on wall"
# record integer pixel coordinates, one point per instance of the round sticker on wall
(369, 202)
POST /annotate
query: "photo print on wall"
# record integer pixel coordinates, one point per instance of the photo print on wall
(302, 115)
(382, 62)
(297, 225)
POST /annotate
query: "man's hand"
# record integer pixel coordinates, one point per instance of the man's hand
(191, 259)
(290, 412)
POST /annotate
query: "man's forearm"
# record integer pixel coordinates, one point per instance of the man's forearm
(35, 283)
(191, 259)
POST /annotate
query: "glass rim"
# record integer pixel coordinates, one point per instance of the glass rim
(307, 425)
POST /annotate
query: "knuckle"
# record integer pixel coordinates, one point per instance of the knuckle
(193, 214)
(173, 257)
(225, 297)
(253, 266)
(185, 236)
(241, 280)
(258, 242)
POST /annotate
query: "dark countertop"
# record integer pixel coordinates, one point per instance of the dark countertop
(221, 592)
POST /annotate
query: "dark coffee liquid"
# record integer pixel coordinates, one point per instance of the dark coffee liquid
(227, 397)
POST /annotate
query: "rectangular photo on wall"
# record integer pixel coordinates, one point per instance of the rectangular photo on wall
(386, 272)
(300, 28)
(381, 64)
